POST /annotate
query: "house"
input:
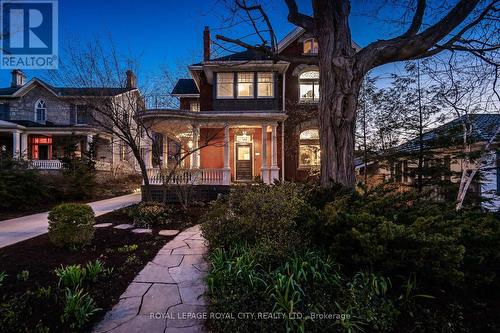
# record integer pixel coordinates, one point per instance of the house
(260, 114)
(38, 121)
(444, 158)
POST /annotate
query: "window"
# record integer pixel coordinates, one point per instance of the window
(309, 150)
(265, 85)
(309, 86)
(40, 108)
(245, 85)
(194, 106)
(310, 46)
(225, 85)
(4, 112)
(82, 114)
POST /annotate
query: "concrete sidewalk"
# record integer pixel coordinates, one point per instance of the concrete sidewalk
(22, 228)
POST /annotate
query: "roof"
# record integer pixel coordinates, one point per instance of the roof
(484, 127)
(66, 91)
(246, 55)
(185, 87)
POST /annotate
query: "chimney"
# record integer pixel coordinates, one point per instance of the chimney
(18, 78)
(131, 80)
(206, 44)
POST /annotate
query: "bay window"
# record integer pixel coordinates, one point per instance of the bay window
(225, 84)
(245, 85)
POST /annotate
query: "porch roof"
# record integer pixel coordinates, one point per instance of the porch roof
(214, 117)
(31, 127)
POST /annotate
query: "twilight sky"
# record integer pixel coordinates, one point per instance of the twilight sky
(169, 33)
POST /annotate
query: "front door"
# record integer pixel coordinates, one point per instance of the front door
(244, 161)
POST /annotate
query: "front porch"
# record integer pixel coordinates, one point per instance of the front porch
(239, 148)
(43, 148)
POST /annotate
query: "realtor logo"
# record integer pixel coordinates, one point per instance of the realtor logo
(29, 34)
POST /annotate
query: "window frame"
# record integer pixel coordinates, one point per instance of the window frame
(77, 113)
(313, 81)
(313, 41)
(272, 85)
(252, 83)
(309, 142)
(37, 108)
(217, 96)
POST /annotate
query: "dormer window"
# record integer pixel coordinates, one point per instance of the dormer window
(310, 46)
(309, 86)
(194, 106)
(40, 110)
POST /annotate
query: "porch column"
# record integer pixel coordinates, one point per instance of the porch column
(264, 169)
(16, 144)
(226, 175)
(274, 170)
(148, 156)
(90, 139)
(165, 151)
(195, 156)
(24, 146)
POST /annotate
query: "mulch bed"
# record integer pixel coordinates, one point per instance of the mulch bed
(40, 258)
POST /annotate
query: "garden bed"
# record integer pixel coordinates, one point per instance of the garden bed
(30, 265)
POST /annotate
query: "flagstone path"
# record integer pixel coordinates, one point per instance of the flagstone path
(167, 295)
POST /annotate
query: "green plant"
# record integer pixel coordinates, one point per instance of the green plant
(78, 308)
(128, 248)
(71, 225)
(94, 269)
(23, 275)
(3, 276)
(71, 276)
(132, 260)
(147, 214)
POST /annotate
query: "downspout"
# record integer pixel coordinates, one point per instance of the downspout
(283, 127)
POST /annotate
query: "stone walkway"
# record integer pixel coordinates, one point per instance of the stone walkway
(167, 295)
(26, 227)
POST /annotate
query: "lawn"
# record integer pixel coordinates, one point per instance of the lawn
(32, 294)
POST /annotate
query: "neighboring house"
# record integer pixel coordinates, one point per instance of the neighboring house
(265, 113)
(444, 151)
(39, 121)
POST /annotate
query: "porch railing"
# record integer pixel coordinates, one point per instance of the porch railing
(188, 177)
(57, 165)
(46, 164)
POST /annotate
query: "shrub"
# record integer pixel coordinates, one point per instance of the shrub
(261, 215)
(71, 225)
(148, 214)
(71, 276)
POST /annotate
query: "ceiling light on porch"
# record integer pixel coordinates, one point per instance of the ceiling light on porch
(190, 144)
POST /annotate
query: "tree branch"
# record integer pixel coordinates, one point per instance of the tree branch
(297, 18)
(417, 19)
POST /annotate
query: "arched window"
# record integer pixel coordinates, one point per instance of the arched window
(309, 151)
(309, 86)
(40, 108)
(310, 46)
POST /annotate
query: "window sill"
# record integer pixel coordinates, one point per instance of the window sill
(307, 102)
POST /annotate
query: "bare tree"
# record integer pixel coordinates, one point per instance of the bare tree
(468, 25)
(467, 88)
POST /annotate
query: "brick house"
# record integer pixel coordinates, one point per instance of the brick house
(263, 114)
(38, 122)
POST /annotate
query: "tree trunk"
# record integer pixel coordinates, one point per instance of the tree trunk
(339, 86)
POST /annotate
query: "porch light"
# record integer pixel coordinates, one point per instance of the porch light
(190, 144)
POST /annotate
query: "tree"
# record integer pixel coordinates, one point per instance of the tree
(469, 25)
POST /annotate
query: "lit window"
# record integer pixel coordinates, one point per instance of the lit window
(245, 85)
(265, 85)
(40, 108)
(310, 46)
(225, 83)
(309, 86)
(309, 151)
(194, 106)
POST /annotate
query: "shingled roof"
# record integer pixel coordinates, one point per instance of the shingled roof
(451, 133)
(185, 87)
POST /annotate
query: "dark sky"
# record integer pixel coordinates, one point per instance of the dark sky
(169, 33)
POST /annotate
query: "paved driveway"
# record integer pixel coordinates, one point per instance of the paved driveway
(22, 228)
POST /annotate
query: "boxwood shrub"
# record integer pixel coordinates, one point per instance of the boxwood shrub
(71, 225)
